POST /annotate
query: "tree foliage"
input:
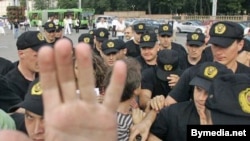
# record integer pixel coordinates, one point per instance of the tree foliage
(67, 3)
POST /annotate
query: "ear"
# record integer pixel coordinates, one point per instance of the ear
(21, 53)
(240, 45)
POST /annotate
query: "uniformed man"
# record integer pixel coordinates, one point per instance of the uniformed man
(58, 32)
(154, 80)
(86, 38)
(226, 39)
(244, 54)
(20, 77)
(110, 51)
(132, 46)
(49, 32)
(100, 35)
(165, 37)
(149, 48)
(31, 109)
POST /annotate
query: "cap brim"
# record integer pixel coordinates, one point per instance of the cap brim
(33, 106)
(109, 51)
(162, 75)
(197, 81)
(147, 44)
(166, 33)
(195, 43)
(140, 31)
(221, 41)
(36, 48)
(101, 39)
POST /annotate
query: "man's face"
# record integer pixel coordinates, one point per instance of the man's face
(50, 35)
(195, 52)
(137, 36)
(110, 58)
(149, 54)
(34, 125)
(200, 96)
(28, 57)
(128, 33)
(58, 34)
(165, 40)
(244, 58)
(226, 56)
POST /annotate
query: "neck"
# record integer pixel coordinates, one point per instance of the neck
(193, 60)
(233, 66)
(124, 107)
(27, 74)
(205, 116)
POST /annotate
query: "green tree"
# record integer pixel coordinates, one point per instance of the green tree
(67, 4)
(41, 4)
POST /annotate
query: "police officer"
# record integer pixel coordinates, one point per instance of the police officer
(195, 46)
(49, 32)
(28, 114)
(110, 51)
(154, 80)
(226, 39)
(244, 54)
(132, 46)
(58, 32)
(165, 37)
(100, 35)
(86, 38)
(20, 77)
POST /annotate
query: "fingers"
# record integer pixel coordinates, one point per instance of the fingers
(116, 86)
(86, 80)
(48, 78)
(158, 102)
(65, 71)
(8, 135)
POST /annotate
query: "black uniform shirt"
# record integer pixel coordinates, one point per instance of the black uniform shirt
(151, 82)
(5, 66)
(183, 91)
(7, 97)
(171, 123)
(17, 82)
(133, 49)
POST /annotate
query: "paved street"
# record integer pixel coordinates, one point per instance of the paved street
(8, 48)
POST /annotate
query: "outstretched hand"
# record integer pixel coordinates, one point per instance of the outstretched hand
(68, 116)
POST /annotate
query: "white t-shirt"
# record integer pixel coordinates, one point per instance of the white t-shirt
(102, 25)
(120, 26)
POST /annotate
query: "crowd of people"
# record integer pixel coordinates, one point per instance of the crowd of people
(138, 86)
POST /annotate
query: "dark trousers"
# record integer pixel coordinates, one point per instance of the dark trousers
(114, 31)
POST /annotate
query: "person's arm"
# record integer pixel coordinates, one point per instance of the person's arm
(144, 97)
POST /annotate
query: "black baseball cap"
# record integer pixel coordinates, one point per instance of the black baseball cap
(50, 26)
(139, 28)
(109, 46)
(86, 38)
(165, 29)
(120, 44)
(58, 28)
(31, 39)
(195, 39)
(167, 63)
(101, 34)
(207, 72)
(224, 33)
(148, 40)
(33, 99)
(228, 100)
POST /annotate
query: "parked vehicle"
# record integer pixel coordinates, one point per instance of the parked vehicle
(151, 25)
(191, 26)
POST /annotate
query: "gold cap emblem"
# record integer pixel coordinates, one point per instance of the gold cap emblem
(86, 40)
(51, 25)
(146, 38)
(244, 100)
(165, 28)
(140, 26)
(220, 29)
(102, 34)
(168, 67)
(110, 44)
(40, 36)
(210, 71)
(195, 37)
(36, 89)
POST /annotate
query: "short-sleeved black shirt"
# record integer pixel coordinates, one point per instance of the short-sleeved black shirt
(133, 49)
(183, 91)
(171, 123)
(7, 97)
(18, 84)
(5, 66)
(151, 82)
